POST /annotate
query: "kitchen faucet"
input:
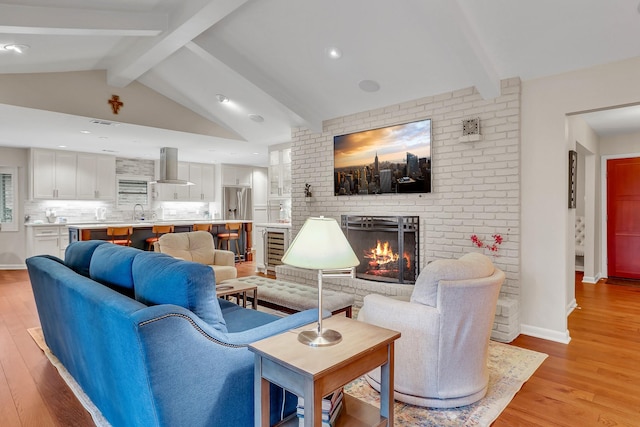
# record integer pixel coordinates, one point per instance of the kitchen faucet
(141, 217)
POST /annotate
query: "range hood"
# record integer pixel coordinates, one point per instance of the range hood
(169, 167)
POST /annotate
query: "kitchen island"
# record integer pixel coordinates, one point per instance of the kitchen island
(142, 230)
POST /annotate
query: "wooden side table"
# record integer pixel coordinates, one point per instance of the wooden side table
(234, 287)
(314, 372)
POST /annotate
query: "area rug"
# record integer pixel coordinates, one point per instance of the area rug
(96, 415)
(509, 368)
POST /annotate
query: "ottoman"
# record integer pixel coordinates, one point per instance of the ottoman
(293, 297)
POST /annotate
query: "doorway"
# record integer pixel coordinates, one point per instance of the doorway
(623, 217)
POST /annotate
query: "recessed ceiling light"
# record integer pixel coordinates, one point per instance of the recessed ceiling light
(369, 85)
(221, 98)
(17, 48)
(256, 118)
(85, 131)
(333, 52)
(62, 146)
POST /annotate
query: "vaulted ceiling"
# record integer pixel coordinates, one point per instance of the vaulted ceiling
(270, 58)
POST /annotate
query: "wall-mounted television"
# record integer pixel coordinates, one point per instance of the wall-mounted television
(392, 159)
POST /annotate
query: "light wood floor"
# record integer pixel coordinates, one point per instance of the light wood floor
(592, 381)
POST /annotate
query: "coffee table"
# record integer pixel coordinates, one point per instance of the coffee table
(233, 287)
(314, 372)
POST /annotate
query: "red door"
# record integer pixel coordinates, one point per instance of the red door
(623, 218)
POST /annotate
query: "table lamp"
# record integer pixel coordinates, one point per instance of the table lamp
(321, 245)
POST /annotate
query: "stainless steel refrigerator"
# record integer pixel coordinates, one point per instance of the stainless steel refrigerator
(236, 203)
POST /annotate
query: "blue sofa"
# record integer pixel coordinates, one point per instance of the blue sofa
(148, 340)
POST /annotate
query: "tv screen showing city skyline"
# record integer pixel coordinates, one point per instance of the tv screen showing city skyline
(392, 159)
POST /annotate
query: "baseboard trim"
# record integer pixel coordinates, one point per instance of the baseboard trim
(546, 334)
(572, 305)
(13, 267)
(591, 280)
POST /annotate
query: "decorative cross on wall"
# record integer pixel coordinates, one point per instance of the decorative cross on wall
(115, 103)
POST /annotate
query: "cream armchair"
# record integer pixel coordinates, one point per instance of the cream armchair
(441, 356)
(198, 246)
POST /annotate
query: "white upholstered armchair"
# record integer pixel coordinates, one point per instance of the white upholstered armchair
(441, 357)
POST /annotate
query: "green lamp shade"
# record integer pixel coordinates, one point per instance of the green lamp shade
(320, 245)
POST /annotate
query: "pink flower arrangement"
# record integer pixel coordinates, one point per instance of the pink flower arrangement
(497, 241)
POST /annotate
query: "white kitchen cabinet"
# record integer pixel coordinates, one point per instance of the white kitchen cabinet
(47, 240)
(280, 171)
(164, 192)
(96, 177)
(202, 176)
(182, 191)
(53, 174)
(260, 187)
(173, 192)
(106, 178)
(236, 176)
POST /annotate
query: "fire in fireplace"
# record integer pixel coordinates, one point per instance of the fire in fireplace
(387, 246)
(382, 261)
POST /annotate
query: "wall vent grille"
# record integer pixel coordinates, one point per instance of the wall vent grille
(471, 127)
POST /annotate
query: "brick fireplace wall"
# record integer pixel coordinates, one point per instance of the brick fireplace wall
(476, 187)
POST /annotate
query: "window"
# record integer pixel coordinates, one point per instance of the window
(133, 190)
(8, 199)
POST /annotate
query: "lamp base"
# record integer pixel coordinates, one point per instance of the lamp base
(325, 338)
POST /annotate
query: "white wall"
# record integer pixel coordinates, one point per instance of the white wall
(12, 243)
(547, 223)
(620, 144)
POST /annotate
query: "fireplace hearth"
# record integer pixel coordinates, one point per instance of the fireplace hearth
(387, 246)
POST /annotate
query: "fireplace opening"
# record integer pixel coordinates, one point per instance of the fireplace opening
(387, 246)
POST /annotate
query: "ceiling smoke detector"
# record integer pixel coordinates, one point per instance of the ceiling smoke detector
(369, 85)
(222, 99)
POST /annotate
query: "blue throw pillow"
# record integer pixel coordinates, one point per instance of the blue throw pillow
(78, 255)
(162, 279)
(111, 266)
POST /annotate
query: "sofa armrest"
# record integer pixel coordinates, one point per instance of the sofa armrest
(241, 339)
(197, 376)
(224, 257)
(284, 324)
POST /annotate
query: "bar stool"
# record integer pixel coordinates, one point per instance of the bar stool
(233, 233)
(158, 230)
(120, 235)
(202, 227)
